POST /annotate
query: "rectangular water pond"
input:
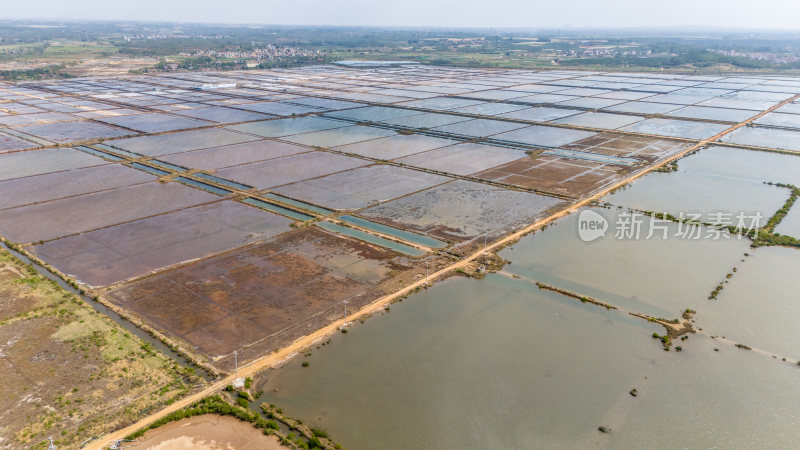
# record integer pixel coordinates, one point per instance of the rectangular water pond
(154, 122)
(69, 183)
(149, 169)
(233, 155)
(371, 238)
(715, 180)
(360, 187)
(222, 181)
(765, 137)
(303, 205)
(289, 169)
(75, 131)
(101, 154)
(463, 210)
(538, 135)
(221, 114)
(37, 162)
(288, 127)
(394, 232)
(340, 136)
(396, 146)
(82, 213)
(600, 120)
(204, 186)
(10, 143)
(117, 253)
(463, 159)
(277, 209)
(677, 128)
(182, 141)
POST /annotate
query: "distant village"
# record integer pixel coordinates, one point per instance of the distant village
(778, 58)
(592, 52)
(268, 53)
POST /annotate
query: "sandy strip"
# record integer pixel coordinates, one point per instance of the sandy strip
(206, 432)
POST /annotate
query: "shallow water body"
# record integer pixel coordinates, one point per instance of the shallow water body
(500, 363)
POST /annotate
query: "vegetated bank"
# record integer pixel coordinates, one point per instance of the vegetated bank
(71, 372)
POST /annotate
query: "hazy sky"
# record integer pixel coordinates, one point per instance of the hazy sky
(449, 13)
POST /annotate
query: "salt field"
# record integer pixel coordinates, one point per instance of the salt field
(240, 211)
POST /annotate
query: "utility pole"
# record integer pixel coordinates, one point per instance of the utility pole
(345, 312)
(426, 273)
(238, 383)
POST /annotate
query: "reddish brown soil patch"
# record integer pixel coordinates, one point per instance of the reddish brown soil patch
(260, 297)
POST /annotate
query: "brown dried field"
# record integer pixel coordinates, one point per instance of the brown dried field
(555, 174)
(261, 297)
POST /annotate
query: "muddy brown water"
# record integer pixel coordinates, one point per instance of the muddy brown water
(499, 364)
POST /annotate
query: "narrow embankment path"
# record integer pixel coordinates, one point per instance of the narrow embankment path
(681, 327)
